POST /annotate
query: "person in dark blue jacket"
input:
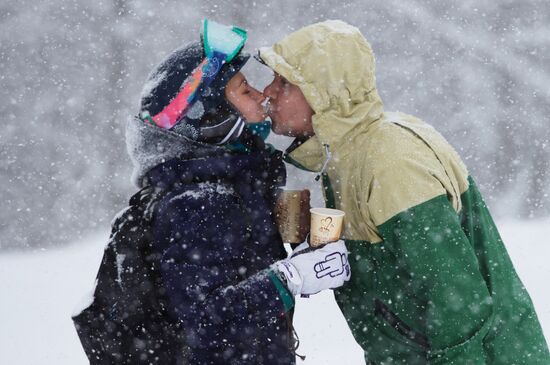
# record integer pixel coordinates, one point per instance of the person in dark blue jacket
(223, 263)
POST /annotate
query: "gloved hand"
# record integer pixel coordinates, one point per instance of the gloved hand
(312, 269)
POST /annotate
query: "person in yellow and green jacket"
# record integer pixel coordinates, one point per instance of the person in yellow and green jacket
(431, 280)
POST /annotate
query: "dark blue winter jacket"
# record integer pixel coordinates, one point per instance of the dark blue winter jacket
(216, 234)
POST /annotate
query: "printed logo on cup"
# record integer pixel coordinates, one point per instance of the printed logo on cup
(326, 225)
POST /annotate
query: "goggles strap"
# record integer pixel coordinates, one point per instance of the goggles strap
(173, 112)
(201, 77)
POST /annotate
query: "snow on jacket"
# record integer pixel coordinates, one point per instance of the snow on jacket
(432, 282)
(216, 236)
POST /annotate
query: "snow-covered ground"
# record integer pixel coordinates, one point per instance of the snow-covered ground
(39, 291)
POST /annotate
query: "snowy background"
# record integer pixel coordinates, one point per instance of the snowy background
(71, 71)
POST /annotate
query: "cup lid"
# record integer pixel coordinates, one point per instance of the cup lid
(327, 212)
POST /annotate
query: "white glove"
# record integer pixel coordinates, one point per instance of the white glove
(312, 269)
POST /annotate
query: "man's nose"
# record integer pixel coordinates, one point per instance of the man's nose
(270, 91)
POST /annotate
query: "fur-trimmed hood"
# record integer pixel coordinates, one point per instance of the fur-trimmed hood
(149, 146)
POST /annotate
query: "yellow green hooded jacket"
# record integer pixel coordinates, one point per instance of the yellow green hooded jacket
(431, 282)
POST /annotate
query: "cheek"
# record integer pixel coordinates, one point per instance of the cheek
(288, 108)
(251, 106)
(277, 126)
(240, 102)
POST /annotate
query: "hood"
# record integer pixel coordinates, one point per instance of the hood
(333, 65)
(149, 146)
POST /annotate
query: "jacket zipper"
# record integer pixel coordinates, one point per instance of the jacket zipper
(394, 321)
(328, 157)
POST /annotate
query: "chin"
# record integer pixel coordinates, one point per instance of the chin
(255, 118)
(283, 132)
(275, 127)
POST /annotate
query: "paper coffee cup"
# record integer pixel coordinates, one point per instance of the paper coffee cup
(326, 225)
(292, 215)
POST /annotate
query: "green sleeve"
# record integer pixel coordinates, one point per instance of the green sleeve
(429, 242)
(284, 293)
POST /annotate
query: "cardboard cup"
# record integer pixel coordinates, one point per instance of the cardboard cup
(292, 215)
(326, 225)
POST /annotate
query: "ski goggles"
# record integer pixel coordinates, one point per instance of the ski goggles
(221, 44)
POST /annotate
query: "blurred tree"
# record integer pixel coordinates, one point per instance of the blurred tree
(71, 74)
